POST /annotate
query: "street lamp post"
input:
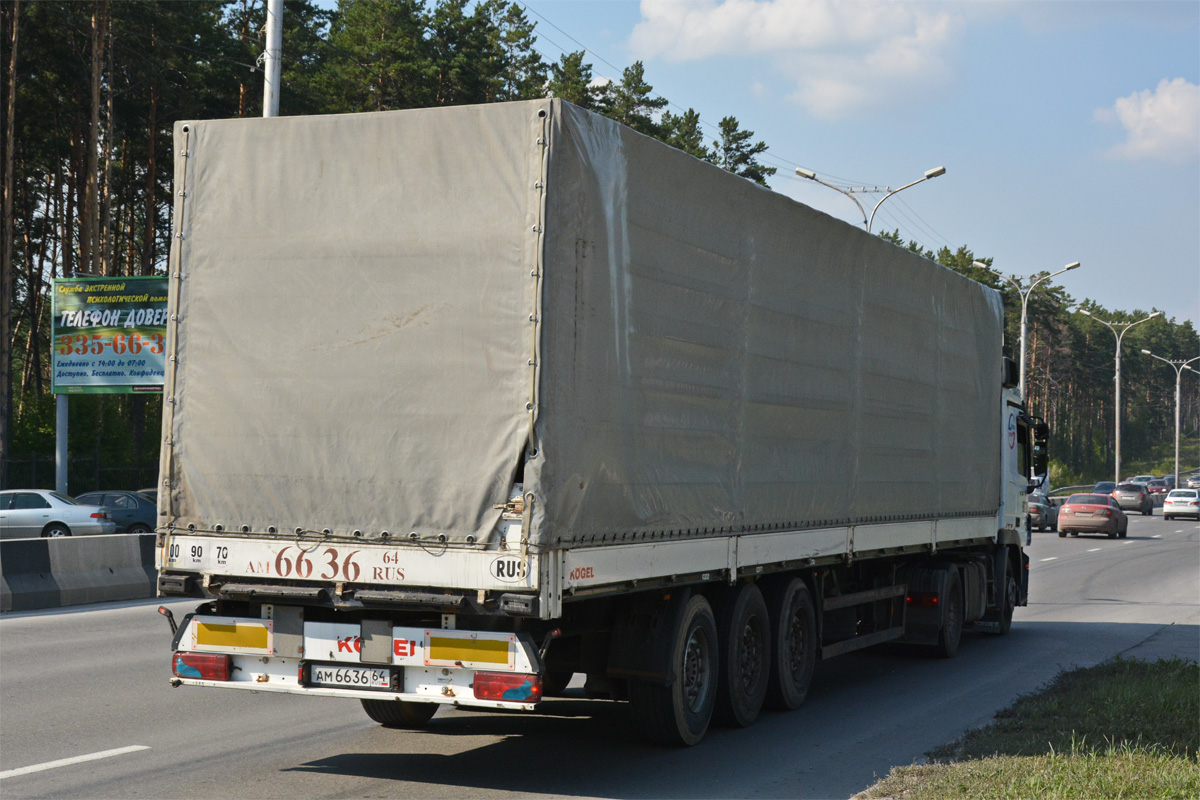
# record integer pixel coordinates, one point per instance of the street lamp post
(850, 192)
(1179, 367)
(1024, 295)
(1120, 334)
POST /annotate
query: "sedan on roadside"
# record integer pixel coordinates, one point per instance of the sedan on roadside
(1133, 496)
(1043, 515)
(1193, 481)
(1159, 486)
(131, 511)
(1092, 513)
(30, 513)
(1182, 503)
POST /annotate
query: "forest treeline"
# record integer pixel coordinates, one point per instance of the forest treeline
(91, 91)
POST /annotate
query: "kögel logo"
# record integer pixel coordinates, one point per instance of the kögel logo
(508, 569)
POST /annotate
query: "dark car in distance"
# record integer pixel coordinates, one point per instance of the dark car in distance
(132, 511)
(1043, 515)
(1104, 487)
(1134, 497)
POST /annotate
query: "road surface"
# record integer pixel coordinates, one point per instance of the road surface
(92, 683)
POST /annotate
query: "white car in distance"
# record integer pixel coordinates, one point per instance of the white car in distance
(33, 513)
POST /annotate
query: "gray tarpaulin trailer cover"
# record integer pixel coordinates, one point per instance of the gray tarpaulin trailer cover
(384, 320)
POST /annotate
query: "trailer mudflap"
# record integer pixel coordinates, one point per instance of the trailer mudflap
(642, 638)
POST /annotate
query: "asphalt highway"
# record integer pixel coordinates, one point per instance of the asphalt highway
(86, 709)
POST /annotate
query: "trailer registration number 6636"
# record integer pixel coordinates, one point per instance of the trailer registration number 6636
(350, 677)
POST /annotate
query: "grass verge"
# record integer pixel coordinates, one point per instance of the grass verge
(1123, 729)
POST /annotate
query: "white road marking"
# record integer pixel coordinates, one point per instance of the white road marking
(66, 762)
(1051, 558)
(1156, 536)
(1095, 550)
(1126, 542)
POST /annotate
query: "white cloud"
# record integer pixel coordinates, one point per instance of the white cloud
(1160, 125)
(843, 57)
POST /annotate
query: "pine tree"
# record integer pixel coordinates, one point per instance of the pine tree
(571, 80)
(633, 101)
(735, 153)
(683, 132)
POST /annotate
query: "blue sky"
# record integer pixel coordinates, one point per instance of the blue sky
(1070, 130)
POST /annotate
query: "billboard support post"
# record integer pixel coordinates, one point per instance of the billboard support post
(60, 444)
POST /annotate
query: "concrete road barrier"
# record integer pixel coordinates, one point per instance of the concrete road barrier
(67, 571)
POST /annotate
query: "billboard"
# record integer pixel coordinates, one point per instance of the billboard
(109, 335)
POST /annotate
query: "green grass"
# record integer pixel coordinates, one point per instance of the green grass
(1123, 729)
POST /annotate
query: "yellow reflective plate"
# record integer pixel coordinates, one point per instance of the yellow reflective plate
(232, 635)
(469, 651)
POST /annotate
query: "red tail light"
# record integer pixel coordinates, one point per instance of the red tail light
(508, 687)
(202, 666)
(922, 599)
(99, 515)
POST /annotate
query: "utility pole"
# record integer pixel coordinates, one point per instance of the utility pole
(272, 58)
(1120, 334)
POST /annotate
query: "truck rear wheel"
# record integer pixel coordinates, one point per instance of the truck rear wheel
(678, 713)
(952, 617)
(793, 643)
(1001, 615)
(555, 682)
(743, 631)
(399, 713)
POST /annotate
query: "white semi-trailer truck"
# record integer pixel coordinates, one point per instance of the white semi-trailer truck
(464, 401)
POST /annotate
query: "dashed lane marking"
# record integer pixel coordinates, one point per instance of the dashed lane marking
(1051, 558)
(66, 762)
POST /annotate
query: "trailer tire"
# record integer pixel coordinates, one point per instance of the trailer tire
(399, 713)
(555, 682)
(678, 713)
(744, 634)
(952, 618)
(793, 643)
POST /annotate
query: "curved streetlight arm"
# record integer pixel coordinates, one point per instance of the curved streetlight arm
(812, 176)
(1067, 268)
(1177, 365)
(929, 174)
(1024, 295)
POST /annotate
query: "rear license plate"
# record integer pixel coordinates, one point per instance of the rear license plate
(349, 677)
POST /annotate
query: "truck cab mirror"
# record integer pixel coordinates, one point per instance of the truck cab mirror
(1041, 447)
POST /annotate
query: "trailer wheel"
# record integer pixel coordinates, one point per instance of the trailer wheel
(743, 631)
(952, 617)
(399, 713)
(678, 713)
(555, 682)
(793, 643)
